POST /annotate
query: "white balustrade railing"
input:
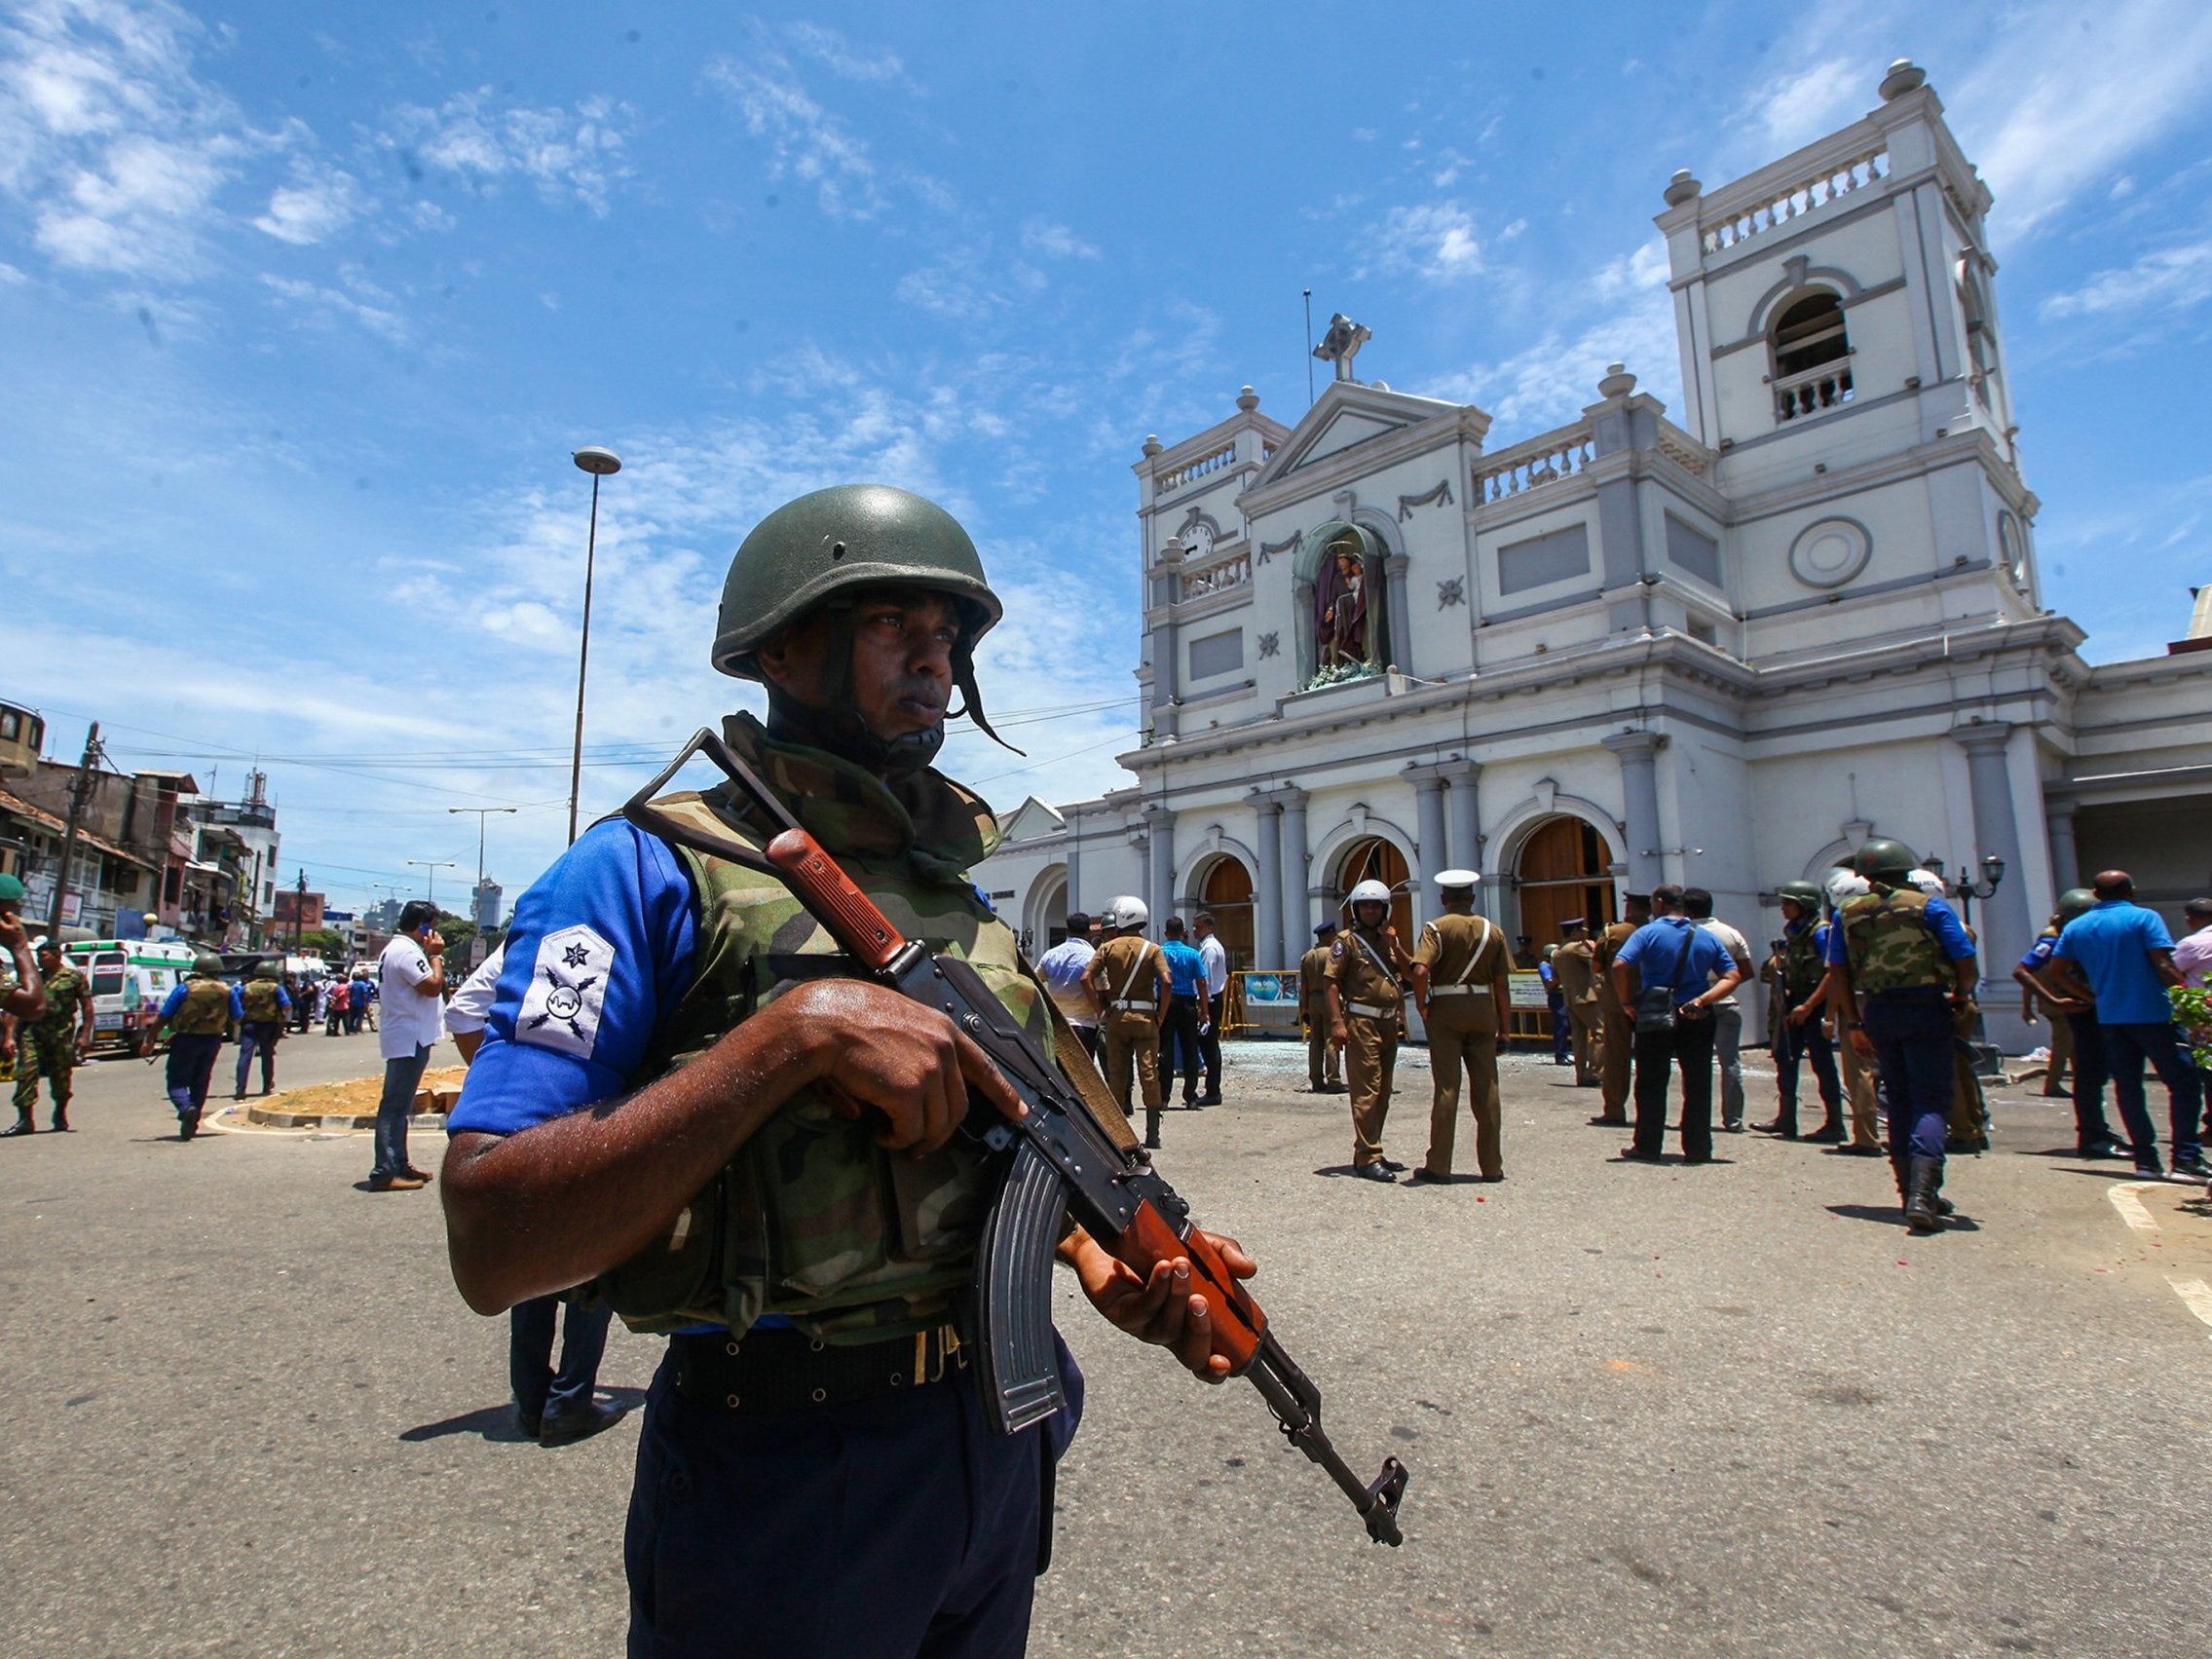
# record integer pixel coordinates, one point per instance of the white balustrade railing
(1532, 464)
(1216, 578)
(1800, 199)
(1198, 469)
(1824, 386)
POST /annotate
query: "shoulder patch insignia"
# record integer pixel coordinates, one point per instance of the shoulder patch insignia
(568, 988)
(1336, 950)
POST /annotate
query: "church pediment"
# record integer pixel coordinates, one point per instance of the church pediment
(1029, 821)
(1345, 416)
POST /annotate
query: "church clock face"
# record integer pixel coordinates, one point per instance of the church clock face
(1198, 540)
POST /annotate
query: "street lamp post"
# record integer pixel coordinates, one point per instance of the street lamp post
(600, 463)
(1967, 889)
(484, 812)
(433, 866)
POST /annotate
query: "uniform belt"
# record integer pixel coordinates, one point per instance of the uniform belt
(1134, 1007)
(787, 1370)
(1370, 1010)
(1455, 990)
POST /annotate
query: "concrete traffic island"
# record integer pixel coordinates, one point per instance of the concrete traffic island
(348, 1105)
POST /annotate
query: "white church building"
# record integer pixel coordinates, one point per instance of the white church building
(1721, 649)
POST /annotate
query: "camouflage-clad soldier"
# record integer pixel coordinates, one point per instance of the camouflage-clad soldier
(265, 1002)
(50, 1045)
(1617, 1024)
(1367, 1017)
(1574, 970)
(1460, 965)
(688, 1093)
(1904, 962)
(1325, 1061)
(202, 1010)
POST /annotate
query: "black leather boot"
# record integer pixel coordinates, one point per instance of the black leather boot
(22, 1126)
(1923, 1175)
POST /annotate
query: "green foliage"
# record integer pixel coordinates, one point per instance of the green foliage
(2192, 1012)
(318, 942)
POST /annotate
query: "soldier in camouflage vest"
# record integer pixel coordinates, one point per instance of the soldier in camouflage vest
(1798, 971)
(202, 1010)
(1903, 960)
(265, 1002)
(687, 1093)
(51, 1046)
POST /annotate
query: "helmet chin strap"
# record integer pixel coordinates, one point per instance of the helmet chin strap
(838, 727)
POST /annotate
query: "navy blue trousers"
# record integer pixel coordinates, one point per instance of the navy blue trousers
(894, 1528)
(191, 1067)
(2126, 1048)
(541, 1391)
(1912, 1039)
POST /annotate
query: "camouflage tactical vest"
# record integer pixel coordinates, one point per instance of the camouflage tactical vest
(259, 996)
(812, 1219)
(1802, 965)
(67, 994)
(1890, 946)
(206, 1010)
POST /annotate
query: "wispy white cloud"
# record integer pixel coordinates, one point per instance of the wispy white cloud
(830, 49)
(2163, 280)
(1435, 240)
(572, 154)
(806, 141)
(1056, 241)
(1816, 100)
(317, 205)
(359, 300)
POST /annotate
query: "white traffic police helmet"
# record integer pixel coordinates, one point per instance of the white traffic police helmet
(1125, 912)
(1369, 891)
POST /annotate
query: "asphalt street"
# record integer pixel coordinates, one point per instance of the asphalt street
(1647, 1409)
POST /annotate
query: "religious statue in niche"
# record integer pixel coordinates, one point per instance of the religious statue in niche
(1343, 625)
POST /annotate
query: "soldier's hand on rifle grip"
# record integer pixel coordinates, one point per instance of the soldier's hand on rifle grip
(876, 1051)
(1160, 1307)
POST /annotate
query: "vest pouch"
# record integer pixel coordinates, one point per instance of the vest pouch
(676, 1280)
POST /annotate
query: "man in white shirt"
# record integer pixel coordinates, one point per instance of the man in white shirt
(1727, 1013)
(1062, 969)
(413, 973)
(1216, 960)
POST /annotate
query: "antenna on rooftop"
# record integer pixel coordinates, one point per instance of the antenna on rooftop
(1306, 347)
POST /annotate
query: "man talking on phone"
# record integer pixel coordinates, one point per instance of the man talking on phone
(414, 1018)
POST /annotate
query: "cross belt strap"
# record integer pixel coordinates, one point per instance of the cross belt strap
(786, 1370)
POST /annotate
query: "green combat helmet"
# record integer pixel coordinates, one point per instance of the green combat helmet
(207, 965)
(2075, 901)
(830, 543)
(1885, 861)
(11, 890)
(267, 970)
(1803, 895)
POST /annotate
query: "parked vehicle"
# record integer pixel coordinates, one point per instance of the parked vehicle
(130, 979)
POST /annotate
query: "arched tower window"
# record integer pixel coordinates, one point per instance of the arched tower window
(1811, 356)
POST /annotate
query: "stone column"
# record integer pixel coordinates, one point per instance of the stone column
(1639, 754)
(2005, 929)
(1467, 830)
(1298, 906)
(1267, 890)
(1428, 826)
(2065, 853)
(1159, 836)
(1399, 655)
(1074, 864)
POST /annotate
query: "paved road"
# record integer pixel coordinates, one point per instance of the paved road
(1648, 1410)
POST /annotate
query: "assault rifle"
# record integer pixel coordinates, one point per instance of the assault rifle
(1060, 1159)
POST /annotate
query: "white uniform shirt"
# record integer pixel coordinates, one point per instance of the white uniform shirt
(471, 1004)
(1216, 962)
(410, 1018)
(1738, 951)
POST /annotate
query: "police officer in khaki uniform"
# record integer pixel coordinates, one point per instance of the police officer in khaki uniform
(1460, 965)
(1617, 1025)
(1131, 979)
(1574, 970)
(1325, 1061)
(1367, 1017)
(1861, 1087)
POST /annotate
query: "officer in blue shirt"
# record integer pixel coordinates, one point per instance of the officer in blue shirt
(2077, 1041)
(1673, 955)
(795, 1493)
(2121, 954)
(1186, 995)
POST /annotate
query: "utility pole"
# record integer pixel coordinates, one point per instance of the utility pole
(77, 793)
(484, 812)
(299, 909)
(433, 866)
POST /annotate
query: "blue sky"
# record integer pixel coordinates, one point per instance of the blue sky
(305, 307)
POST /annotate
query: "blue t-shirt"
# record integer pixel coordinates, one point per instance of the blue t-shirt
(1186, 970)
(176, 1000)
(1673, 949)
(2112, 944)
(1942, 921)
(601, 944)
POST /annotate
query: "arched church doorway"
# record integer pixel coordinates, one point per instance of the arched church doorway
(1376, 859)
(1224, 891)
(1044, 920)
(1562, 872)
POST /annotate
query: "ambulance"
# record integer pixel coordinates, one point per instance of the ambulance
(131, 978)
